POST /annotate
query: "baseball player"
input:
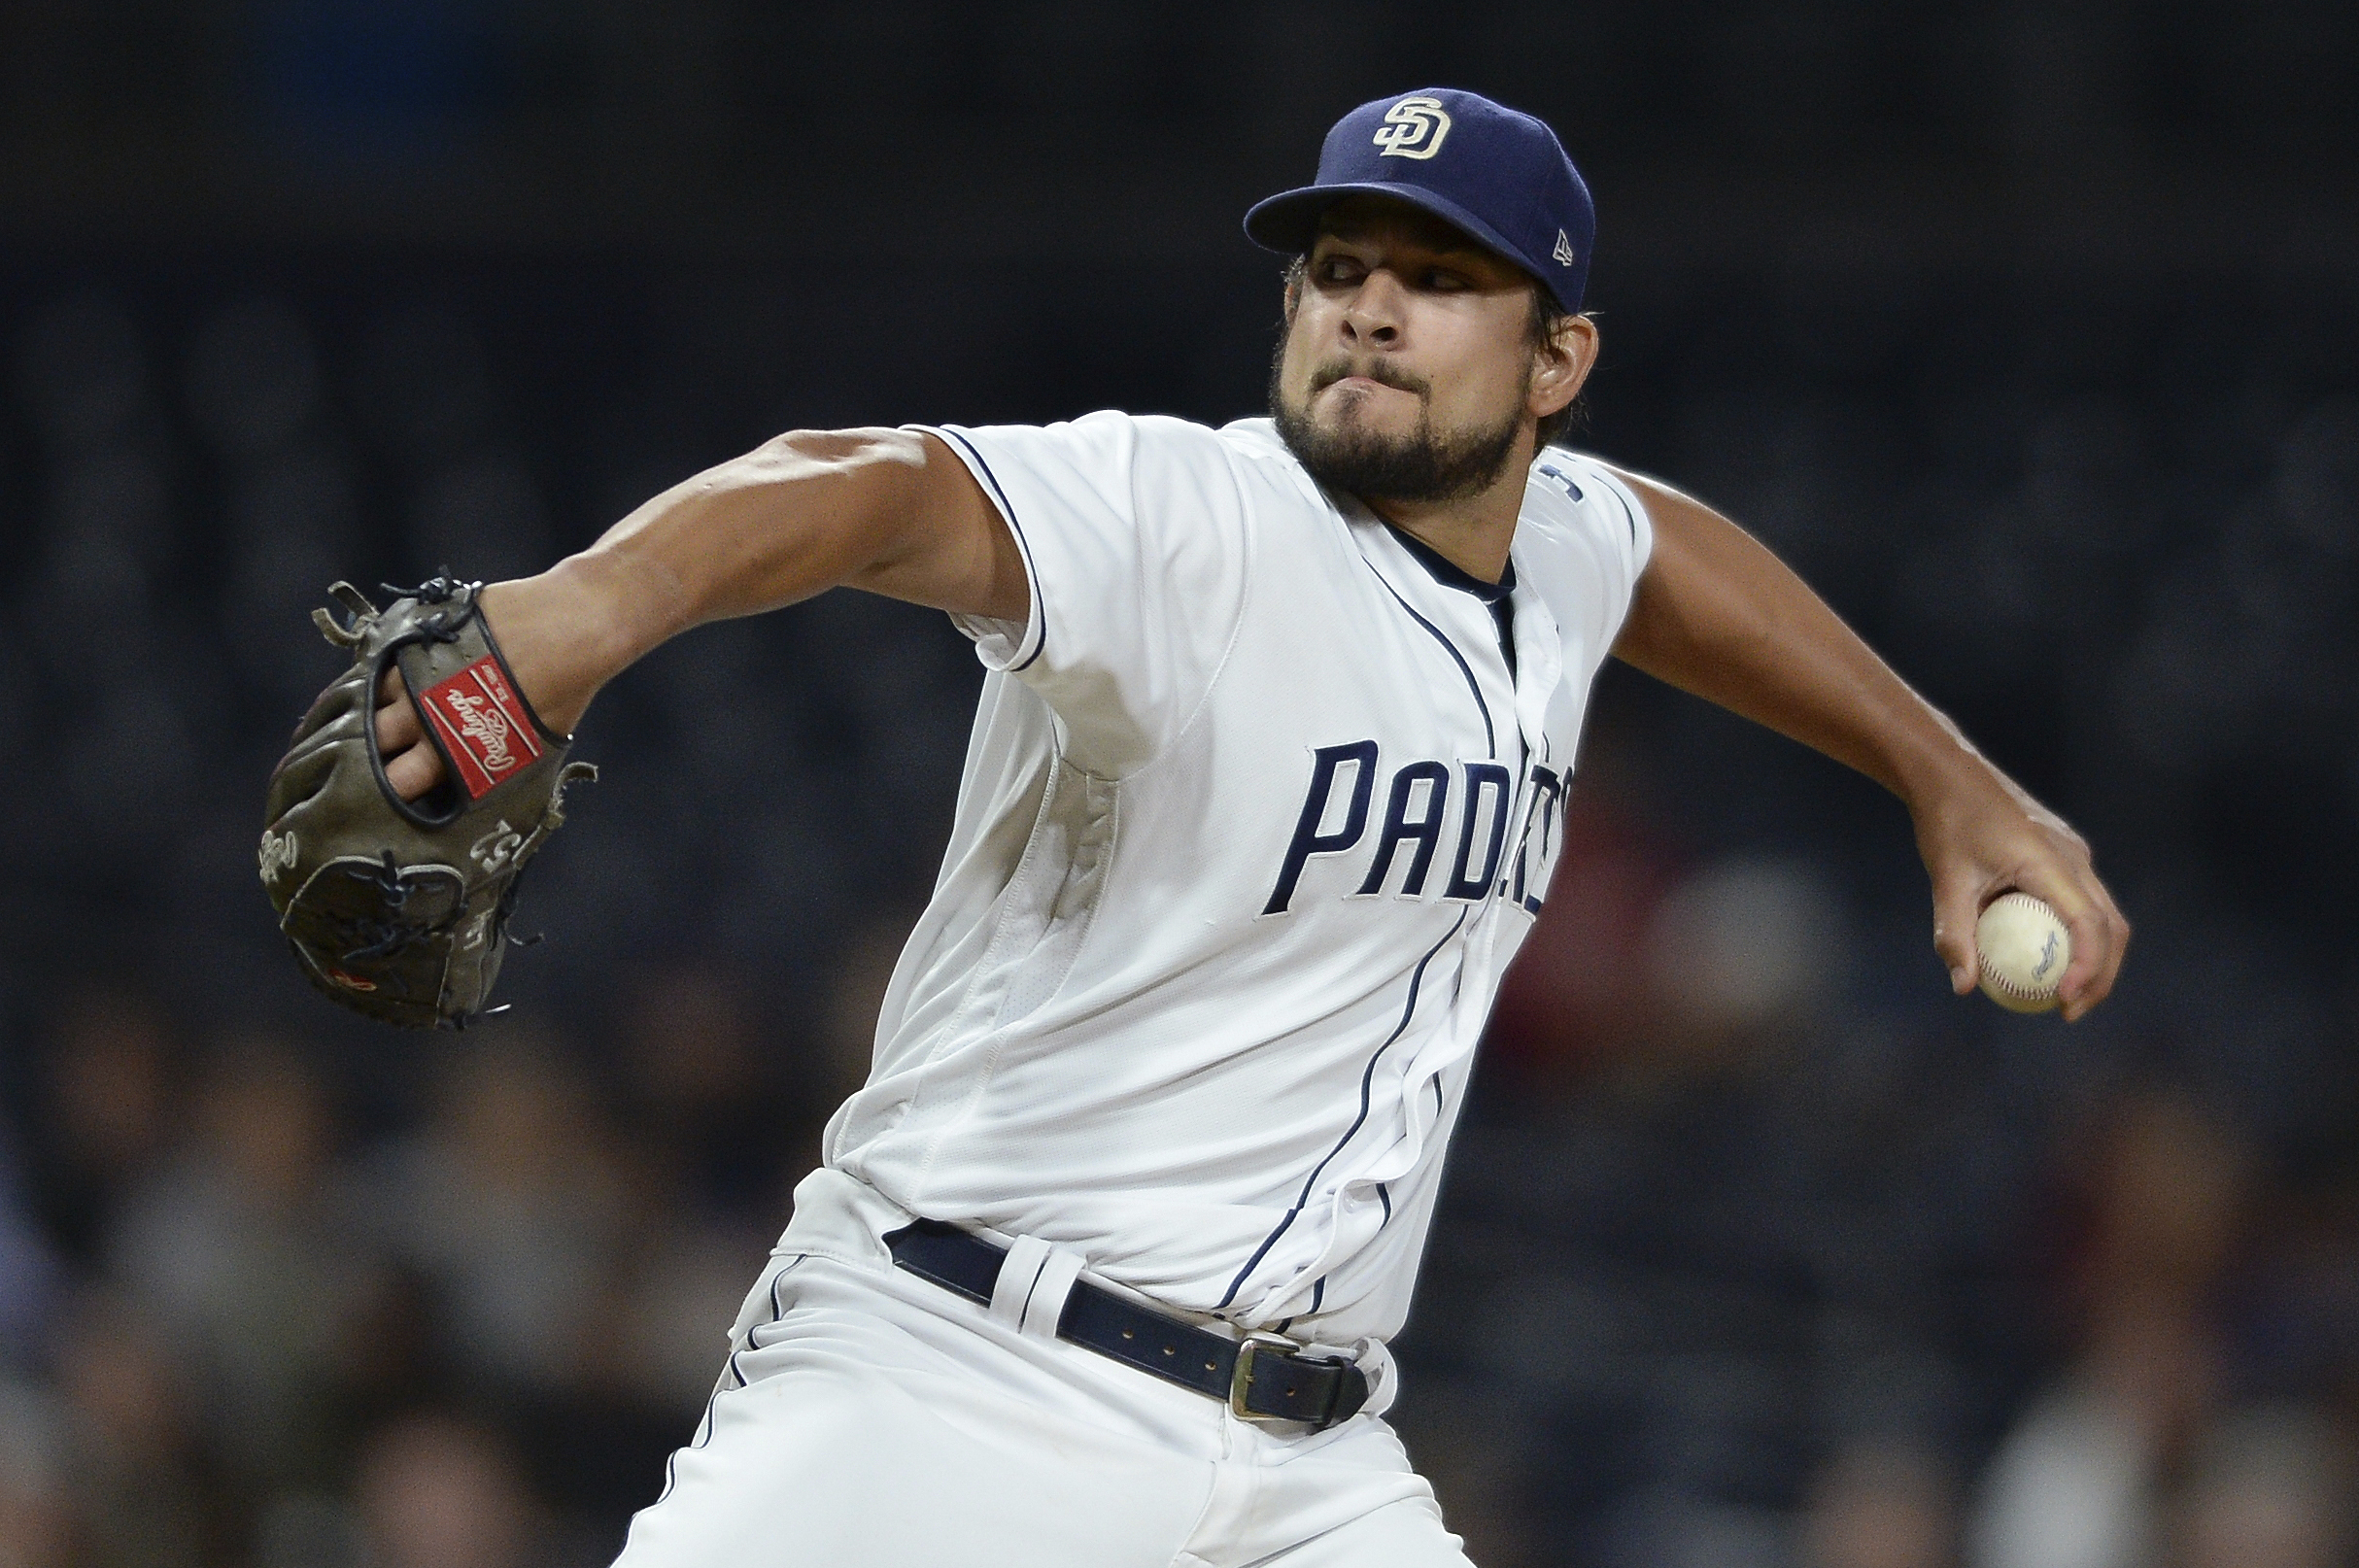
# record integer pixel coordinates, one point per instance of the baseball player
(1264, 790)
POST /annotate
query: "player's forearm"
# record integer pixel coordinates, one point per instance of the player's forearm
(1719, 615)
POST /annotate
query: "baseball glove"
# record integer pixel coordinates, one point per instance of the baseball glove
(399, 910)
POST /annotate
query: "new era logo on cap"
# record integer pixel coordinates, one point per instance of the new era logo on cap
(1564, 253)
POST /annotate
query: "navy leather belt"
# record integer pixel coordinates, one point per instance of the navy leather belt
(1256, 1379)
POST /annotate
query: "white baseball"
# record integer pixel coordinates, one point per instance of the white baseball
(2025, 951)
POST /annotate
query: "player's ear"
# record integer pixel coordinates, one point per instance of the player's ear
(1561, 361)
(1294, 276)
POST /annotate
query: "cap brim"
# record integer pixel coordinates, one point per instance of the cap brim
(1288, 221)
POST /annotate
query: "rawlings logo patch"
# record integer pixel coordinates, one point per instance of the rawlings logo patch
(483, 726)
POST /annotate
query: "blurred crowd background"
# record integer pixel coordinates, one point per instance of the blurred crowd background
(2025, 330)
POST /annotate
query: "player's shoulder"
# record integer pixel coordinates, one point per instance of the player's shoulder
(1580, 492)
(1579, 476)
(1167, 437)
(1161, 437)
(1245, 460)
(1256, 440)
(1240, 444)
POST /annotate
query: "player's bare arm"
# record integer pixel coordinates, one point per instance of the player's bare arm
(1718, 615)
(890, 511)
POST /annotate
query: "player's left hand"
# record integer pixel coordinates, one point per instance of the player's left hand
(540, 622)
(1982, 836)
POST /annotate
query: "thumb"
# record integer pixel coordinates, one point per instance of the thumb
(1957, 906)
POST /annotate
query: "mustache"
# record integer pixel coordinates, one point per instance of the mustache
(1376, 370)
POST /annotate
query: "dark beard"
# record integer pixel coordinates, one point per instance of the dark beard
(1425, 466)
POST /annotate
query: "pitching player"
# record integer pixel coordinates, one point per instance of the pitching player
(1264, 790)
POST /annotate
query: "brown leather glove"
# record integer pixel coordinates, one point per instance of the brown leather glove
(399, 910)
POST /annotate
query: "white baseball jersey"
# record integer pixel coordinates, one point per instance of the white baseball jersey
(1255, 812)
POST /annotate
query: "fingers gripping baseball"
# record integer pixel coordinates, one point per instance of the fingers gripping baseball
(1955, 907)
(2100, 936)
(2018, 845)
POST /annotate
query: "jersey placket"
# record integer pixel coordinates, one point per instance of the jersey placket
(1504, 692)
(1460, 633)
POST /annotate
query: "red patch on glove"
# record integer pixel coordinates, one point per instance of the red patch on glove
(481, 724)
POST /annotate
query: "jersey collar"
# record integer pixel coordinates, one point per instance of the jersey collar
(1450, 574)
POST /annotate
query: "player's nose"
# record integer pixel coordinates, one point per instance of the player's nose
(1374, 314)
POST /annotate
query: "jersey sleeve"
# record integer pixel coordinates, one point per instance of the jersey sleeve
(1630, 540)
(1135, 534)
(1606, 540)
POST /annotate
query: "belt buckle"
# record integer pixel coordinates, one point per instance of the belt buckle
(1241, 1378)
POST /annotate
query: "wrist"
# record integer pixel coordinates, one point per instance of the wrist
(1941, 765)
(570, 630)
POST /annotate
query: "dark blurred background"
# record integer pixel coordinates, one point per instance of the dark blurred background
(2026, 331)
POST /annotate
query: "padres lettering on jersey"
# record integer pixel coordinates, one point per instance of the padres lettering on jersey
(1416, 815)
(1253, 816)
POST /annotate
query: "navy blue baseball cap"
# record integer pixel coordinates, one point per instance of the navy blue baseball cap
(1496, 173)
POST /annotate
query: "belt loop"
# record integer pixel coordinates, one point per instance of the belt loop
(1062, 1267)
(1018, 1271)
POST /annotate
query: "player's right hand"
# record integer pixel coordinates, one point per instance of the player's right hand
(1982, 836)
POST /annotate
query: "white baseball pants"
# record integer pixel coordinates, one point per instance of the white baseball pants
(868, 1418)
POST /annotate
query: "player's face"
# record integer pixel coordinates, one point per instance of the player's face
(1407, 368)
